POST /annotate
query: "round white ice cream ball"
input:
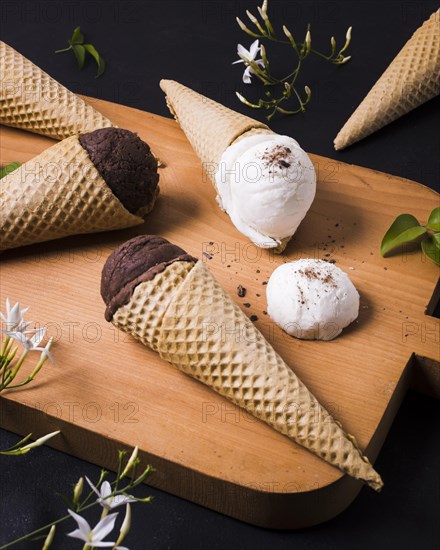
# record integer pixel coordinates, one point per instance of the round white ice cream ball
(311, 299)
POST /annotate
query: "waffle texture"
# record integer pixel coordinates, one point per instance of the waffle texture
(57, 194)
(32, 100)
(412, 78)
(185, 315)
(209, 126)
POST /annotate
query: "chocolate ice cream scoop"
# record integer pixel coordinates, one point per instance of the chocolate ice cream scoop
(127, 166)
(134, 262)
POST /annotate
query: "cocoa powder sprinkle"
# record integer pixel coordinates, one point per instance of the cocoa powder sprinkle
(276, 155)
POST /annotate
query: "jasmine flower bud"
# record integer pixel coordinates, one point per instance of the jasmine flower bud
(78, 489)
(131, 462)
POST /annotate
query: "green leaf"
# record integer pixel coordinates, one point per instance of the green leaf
(80, 54)
(404, 229)
(99, 60)
(431, 248)
(434, 219)
(77, 37)
(5, 170)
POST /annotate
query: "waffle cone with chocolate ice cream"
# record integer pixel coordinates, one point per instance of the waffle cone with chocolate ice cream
(32, 100)
(103, 180)
(169, 301)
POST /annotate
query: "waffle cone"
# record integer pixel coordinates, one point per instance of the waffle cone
(412, 78)
(57, 194)
(32, 100)
(209, 126)
(185, 315)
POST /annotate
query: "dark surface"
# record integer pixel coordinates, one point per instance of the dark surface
(195, 43)
(134, 262)
(126, 164)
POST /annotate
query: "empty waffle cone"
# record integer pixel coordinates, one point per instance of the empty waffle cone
(57, 194)
(32, 100)
(185, 315)
(412, 78)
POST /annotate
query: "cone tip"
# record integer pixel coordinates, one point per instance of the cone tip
(375, 482)
(165, 83)
(339, 143)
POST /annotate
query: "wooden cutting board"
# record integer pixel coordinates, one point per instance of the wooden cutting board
(108, 392)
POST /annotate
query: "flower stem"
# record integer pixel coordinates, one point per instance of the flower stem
(5, 345)
(36, 532)
(24, 383)
(12, 374)
(48, 526)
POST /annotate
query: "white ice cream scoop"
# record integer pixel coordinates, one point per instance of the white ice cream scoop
(311, 299)
(266, 183)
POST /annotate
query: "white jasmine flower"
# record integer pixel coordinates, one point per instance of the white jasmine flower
(28, 343)
(95, 536)
(14, 317)
(33, 343)
(246, 56)
(105, 500)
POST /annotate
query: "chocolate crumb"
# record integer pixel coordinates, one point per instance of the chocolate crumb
(253, 318)
(264, 283)
(241, 291)
(386, 269)
(257, 295)
(336, 225)
(208, 256)
(247, 304)
(258, 271)
(264, 312)
(332, 261)
(211, 243)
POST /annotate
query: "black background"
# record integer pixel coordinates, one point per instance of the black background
(195, 42)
